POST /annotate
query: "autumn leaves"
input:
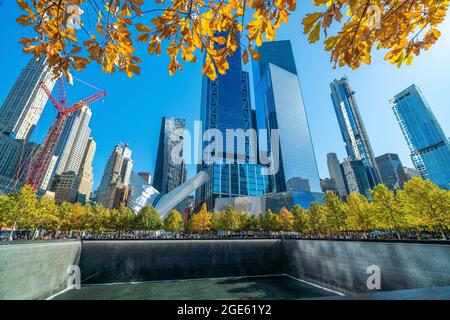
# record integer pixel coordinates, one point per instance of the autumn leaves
(187, 29)
(403, 27)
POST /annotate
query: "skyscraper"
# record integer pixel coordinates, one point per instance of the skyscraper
(168, 173)
(71, 146)
(335, 170)
(352, 128)
(14, 157)
(356, 179)
(391, 170)
(225, 104)
(86, 172)
(429, 147)
(116, 175)
(23, 106)
(279, 106)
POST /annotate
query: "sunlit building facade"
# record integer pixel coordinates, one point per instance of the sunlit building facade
(427, 142)
(279, 106)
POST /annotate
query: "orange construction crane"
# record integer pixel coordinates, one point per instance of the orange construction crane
(41, 160)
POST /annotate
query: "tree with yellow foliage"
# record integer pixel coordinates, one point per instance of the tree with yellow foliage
(286, 219)
(427, 207)
(74, 33)
(173, 222)
(387, 212)
(333, 213)
(201, 221)
(358, 212)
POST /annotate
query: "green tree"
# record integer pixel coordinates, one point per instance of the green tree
(387, 212)
(122, 218)
(427, 206)
(46, 215)
(271, 221)
(23, 208)
(315, 219)
(216, 221)
(231, 220)
(64, 215)
(173, 221)
(6, 205)
(300, 216)
(334, 213)
(148, 219)
(254, 223)
(359, 213)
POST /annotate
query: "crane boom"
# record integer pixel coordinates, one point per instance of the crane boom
(84, 102)
(55, 102)
(41, 161)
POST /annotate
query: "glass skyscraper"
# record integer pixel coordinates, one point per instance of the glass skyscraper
(279, 105)
(169, 174)
(352, 127)
(225, 104)
(391, 170)
(429, 147)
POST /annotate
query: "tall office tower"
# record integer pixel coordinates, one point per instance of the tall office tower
(26, 100)
(14, 157)
(391, 170)
(279, 105)
(356, 179)
(71, 146)
(65, 186)
(169, 172)
(85, 173)
(116, 175)
(352, 128)
(429, 147)
(335, 170)
(225, 104)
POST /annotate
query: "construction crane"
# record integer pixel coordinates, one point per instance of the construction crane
(41, 161)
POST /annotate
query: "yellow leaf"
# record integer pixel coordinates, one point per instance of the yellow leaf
(245, 56)
(314, 35)
(270, 32)
(142, 28)
(309, 21)
(330, 43)
(142, 37)
(254, 53)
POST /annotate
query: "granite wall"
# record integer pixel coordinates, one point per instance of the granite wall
(35, 270)
(118, 261)
(343, 264)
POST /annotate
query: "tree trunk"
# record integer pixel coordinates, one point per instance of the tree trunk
(12, 230)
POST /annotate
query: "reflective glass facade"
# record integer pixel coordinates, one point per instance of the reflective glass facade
(352, 128)
(430, 148)
(391, 170)
(279, 105)
(168, 173)
(225, 104)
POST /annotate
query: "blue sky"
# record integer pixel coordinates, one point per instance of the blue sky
(132, 110)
